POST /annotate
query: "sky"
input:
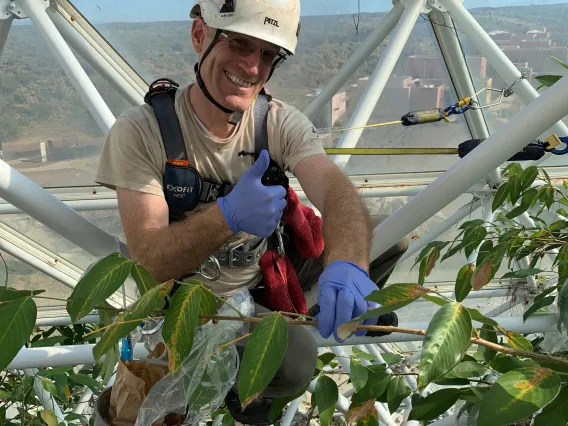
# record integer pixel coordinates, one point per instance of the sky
(175, 10)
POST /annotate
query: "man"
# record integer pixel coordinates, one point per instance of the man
(239, 45)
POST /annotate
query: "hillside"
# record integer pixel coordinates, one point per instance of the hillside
(38, 102)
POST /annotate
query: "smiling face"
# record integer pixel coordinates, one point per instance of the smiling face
(233, 75)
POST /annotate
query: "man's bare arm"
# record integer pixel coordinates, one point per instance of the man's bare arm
(347, 225)
(169, 251)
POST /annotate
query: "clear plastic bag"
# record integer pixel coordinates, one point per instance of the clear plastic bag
(203, 381)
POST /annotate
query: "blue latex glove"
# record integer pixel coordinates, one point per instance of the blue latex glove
(342, 289)
(251, 206)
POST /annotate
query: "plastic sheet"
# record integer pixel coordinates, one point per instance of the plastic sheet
(203, 381)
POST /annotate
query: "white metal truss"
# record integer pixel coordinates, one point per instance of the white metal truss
(62, 26)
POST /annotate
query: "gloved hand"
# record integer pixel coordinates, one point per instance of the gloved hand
(342, 289)
(251, 206)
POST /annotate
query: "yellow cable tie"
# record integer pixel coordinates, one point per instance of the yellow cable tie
(391, 151)
(367, 126)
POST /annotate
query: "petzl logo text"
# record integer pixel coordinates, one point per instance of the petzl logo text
(271, 21)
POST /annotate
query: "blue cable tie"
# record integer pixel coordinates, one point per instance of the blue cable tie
(126, 350)
(563, 139)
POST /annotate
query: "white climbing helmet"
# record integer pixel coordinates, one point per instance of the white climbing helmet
(274, 21)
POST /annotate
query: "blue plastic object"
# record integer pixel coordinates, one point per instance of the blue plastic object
(126, 350)
(561, 151)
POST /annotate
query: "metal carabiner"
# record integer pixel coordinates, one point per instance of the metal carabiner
(211, 263)
(279, 229)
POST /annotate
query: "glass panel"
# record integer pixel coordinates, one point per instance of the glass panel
(530, 37)
(40, 106)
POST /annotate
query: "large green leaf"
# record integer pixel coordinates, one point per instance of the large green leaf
(528, 176)
(99, 283)
(500, 196)
(463, 281)
(541, 303)
(393, 297)
(397, 391)
(514, 189)
(377, 382)
(548, 80)
(124, 324)
(144, 279)
(17, 321)
(447, 338)
(505, 363)
(562, 307)
(359, 375)
(263, 355)
(518, 394)
(465, 370)
(555, 413)
(181, 321)
(434, 405)
(479, 317)
(8, 294)
(488, 333)
(326, 397)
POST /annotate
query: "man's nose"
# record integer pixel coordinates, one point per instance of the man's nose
(251, 63)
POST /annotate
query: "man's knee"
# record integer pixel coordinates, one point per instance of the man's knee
(299, 362)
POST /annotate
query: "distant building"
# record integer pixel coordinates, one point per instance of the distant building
(332, 111)
(433, 67)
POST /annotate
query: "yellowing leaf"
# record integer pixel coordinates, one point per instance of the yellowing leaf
(393, 297)
(482, 275)
(361, 411)
(49, 417)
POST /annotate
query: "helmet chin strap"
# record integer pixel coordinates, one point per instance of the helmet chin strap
(236, 115)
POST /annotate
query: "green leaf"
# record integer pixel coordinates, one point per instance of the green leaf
(263, 355)
(48, 417)
(144, 280)
(472, 223)
(504, 363)
(50, 341)
(98, 284)
(434, 299)
(548, 80)
(397, 391)
(487, 333)
(465, 370)
(517, 341)
(152, 300)
(180, 323)
(463, 281)
(83, 379)
(537, 305)
(500, 196)
(517, 211)
(111, 359)
(362, 354)
(562, 212)
(434, 405)
(530, 197)
(473, 238)
(514, 189)
(17, 322)
(482, 275)
(544, 293)
(562, 308)
(8, 294)
(391, 359)
(377, 382)
(326, 397)
(528, 176)
(518, 394)
(522, 273)
(479, 317)
(447, 338)
(55, 370)
(555, 413)
(393, 297)
(48, 385)
(359, 375)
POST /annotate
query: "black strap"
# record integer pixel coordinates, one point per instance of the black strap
(161, 97)
(260, 122)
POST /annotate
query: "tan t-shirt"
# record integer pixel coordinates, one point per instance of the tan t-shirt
(134, 157)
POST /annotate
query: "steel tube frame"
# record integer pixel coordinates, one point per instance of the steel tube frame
(546, 110)
(36, 10)
(453, 55)
(379, 78)
(93, 57)
(354, 62)
(5, 25)
(46, 399)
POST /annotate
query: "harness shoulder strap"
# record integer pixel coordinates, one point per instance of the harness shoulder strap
(161, 97)
(261, 106)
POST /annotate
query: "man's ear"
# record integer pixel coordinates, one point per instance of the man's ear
(199, 31)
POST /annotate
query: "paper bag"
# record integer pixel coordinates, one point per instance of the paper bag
(133, 382)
